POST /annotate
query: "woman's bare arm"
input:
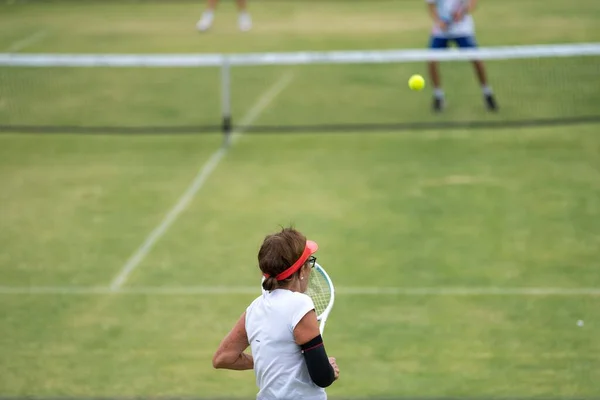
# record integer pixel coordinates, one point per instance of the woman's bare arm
(230, 354)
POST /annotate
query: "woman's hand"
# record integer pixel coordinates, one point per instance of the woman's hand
(336, 369)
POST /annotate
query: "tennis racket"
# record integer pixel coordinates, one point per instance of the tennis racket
(320, 289)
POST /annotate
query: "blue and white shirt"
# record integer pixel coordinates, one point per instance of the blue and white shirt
(445, 9)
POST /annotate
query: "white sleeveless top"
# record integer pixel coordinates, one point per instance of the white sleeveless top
(279, 366)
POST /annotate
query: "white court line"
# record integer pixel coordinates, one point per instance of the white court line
(27, 41)
(263, 103)
(471, 291)
(350, 291)
(203, 174)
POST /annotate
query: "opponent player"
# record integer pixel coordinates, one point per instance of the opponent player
(244, 20)
(288, 355)
(452, 22)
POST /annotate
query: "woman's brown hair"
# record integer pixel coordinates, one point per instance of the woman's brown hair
(278, 252)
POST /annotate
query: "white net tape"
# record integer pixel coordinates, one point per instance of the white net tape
(296, 58)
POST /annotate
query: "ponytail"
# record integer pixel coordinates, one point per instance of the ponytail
(270, 284)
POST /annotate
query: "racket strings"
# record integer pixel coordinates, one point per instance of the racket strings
(319, 291)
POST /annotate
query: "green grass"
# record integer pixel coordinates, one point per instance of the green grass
(325, 94)
(169, 27)
(431, 209)
(527, 89)
(95, 173)
(505, 208)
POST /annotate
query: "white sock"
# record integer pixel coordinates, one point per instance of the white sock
(487, 90)
(438, 93)
(208, 13)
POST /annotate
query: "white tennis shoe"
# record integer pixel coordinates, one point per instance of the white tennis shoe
(205, 21)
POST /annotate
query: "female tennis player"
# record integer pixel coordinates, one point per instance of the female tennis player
(280, 326)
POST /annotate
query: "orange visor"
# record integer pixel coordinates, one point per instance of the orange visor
(310, 249)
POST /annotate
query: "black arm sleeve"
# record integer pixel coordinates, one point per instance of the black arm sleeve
(321, 372)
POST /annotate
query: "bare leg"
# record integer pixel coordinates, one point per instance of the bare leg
(434, 73)
(438, 93)
(480, 71)
(488, 95)
(242, 5)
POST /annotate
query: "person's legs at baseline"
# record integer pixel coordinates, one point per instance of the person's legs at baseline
(434, 73)
(468, 42)
(244, 20)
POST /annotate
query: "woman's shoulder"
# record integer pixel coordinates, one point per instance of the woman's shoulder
(255, 301)
(281, 296)
(299, 298)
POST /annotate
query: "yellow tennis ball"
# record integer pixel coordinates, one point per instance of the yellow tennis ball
(416, 82)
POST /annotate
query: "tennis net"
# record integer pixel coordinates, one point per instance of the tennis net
(327, 91)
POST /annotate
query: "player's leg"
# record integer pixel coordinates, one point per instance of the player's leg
(208, 15)
(488, 94)
(244, 20)
(436, 80)
(434, 74)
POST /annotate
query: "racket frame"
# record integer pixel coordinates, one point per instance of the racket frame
(325, 314)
